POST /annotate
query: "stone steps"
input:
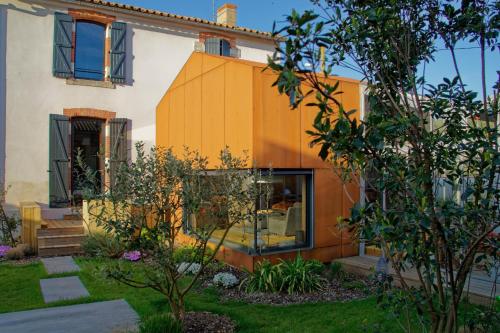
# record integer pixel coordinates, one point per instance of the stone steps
(59, 250)
(72, 217)
(61, 231)
(60, 237)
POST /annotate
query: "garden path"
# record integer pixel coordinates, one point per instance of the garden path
(56, 265)
(64, 288)
(98, 317)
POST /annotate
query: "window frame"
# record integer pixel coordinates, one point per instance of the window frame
(221, 41)
(309, 236)
(104, 48)
(310, 220)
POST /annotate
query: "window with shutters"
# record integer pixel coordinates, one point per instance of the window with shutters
(89, 50)
(96, 51)
(218, 46)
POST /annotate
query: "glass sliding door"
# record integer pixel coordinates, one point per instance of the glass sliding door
(282, 219)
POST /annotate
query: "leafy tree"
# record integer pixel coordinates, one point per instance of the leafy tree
(148, 208)
(415, 139)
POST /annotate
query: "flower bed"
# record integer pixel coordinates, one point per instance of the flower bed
(3, 250)
(348, 287)
(132, 255)
(332, 291)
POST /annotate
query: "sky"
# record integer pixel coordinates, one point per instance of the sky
(260, 15)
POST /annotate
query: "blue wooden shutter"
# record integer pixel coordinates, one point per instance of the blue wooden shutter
(63, 31)
(118, 52)
(59, 161)
(225, 48)
(212, 46)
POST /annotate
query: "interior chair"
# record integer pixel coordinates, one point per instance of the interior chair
(290, 225)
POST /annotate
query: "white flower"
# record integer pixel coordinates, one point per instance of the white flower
(226, 280)
(188, 268)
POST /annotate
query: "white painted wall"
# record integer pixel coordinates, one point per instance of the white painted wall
(159, 50)
(3, 54)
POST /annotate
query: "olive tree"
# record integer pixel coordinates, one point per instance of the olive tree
(416, 138)
(148, 208)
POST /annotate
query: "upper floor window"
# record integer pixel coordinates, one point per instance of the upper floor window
(89, 50)
(218, 46)
(97, 50)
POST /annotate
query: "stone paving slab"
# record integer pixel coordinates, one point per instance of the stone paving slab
(57, 265)
(58, 289)
(100, 317)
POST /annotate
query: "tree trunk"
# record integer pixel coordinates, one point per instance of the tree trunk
(451, 322)
(439, 323)
(177, 308)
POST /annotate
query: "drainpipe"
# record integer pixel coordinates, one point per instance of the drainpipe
(362, 187)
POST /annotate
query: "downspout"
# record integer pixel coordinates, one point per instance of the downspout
(362, 188)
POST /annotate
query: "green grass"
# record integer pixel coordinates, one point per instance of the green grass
(20, 290)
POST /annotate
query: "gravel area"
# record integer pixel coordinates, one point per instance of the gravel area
(206, 322)
(331, 292)
(350, 288)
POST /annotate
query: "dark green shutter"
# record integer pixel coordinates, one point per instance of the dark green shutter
(118, 143)
(118, 51)
(59, 161)
(63, 31)
(212, 46)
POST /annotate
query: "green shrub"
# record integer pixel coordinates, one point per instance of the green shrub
(189, 254)
(300, 276)
(336, 271)
(160, 323)
(266, 277)
(103, 245)
(19, 252)
(291, 276)
(15, 253)
(355, 285)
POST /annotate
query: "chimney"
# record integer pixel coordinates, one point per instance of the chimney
(226, 14)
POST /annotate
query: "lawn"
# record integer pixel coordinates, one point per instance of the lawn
(19, 290)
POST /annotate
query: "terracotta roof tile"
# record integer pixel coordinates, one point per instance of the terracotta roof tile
(175, 16)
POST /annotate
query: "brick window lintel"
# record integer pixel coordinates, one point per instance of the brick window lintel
(90, 15)
(205, 35)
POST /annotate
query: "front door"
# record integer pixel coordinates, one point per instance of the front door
(87, 152)
(77, 142)
(70, 138)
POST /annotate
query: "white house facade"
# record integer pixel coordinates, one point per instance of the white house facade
(87, 76)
